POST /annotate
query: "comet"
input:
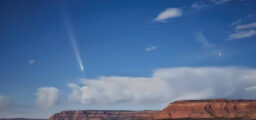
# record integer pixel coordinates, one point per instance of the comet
(76, 50)
(70, 31)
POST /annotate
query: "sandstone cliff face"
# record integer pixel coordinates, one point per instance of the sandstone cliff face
(210, 109)
(186, 109)
(103, 115)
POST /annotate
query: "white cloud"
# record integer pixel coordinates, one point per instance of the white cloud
(243, 31)
(246, 26)
(76, 93)
(250, 88)
(3, 102)
(47, 97)
(220, 1)
(236, 22)
(198, 5)
(166, 85)
(150, 48)
(32, 61)
(196, 95)
(205, 3)
(203, 40)
(242, 34)
(168, 13)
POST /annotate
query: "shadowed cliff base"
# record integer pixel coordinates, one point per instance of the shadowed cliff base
(217, 109)
(21, 119)
(211, 119)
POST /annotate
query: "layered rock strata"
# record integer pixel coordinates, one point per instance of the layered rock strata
(218, 109)
(103, 115)
(209, 109)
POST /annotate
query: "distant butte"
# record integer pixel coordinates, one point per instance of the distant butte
(217, 109)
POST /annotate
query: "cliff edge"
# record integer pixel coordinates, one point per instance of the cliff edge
(209, 109)
(103, 115)
(218, 109)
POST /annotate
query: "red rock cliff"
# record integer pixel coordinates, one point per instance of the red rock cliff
(103, 115)
(185, 109)
(200, 109)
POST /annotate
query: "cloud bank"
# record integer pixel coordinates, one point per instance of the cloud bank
(168, 13)
(167, 85)
(3, 102)
(47, 97)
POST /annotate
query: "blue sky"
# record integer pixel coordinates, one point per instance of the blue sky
(44, 45)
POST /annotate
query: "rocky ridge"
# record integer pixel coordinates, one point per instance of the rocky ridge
(103, 115)
(209, 109)
(218, 109)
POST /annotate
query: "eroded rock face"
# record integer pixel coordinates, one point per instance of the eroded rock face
(103, 115)
(218, 109)
(210, 109)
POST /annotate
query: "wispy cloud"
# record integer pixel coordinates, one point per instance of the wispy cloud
(150, 48)
(246, 26)
(220, 1)
(243, 31)
(198, 5)
(47, 97)
(32, 61)
(171, 83)
(242, 34)
(251, 88)
(236, 22)
(203, 41)
(168, 14)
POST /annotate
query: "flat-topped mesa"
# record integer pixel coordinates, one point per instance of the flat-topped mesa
(103, 115)
(209, 109)
(217, 109)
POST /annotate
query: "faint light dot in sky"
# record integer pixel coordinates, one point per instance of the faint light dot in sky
(32, 61)
(220, 54)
